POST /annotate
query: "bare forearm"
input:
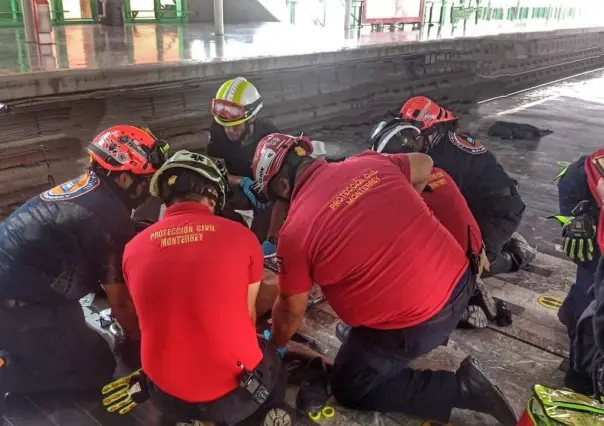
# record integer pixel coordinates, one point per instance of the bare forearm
(285, 323)
(277, 218)
(419, 187)
(234, 180)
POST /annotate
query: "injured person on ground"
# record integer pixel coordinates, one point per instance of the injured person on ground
(387, 267)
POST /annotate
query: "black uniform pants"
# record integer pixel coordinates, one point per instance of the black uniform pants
(371, 370)
(497, 224)
(50, 348)
(235, 408)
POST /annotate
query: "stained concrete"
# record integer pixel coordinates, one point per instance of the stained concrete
(531, 350)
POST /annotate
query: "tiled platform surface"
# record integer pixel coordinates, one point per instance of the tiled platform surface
(533, 349)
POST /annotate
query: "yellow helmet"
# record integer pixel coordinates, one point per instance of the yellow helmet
(236, 102)
(198, 163)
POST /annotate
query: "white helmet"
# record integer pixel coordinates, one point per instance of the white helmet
(198, 163)
(394, 136)
(236, 102)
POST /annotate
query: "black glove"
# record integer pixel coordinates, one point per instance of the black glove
(579, 232)
(129, 350)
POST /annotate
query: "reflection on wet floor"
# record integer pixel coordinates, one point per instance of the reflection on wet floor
(94, 46)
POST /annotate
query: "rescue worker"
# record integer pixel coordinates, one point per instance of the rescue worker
(491, 194)
(234, 135)
(60, 246)
(347, 231)
(579, 204)
(581, 194)
(195, 274)
(449, 206)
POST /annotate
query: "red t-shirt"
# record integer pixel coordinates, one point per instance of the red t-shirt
(363, 233)
(188, 276)
(448, 204)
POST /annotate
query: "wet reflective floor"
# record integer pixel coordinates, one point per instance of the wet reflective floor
(95, 46)
(532, 350)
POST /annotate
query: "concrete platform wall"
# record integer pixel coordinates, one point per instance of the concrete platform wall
(54, 116)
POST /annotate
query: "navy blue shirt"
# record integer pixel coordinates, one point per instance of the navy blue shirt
(65, 243)
(238, 155)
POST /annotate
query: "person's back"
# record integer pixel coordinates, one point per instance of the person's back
(193, 314)
(448, 204)
(373, 243)
(57, 246)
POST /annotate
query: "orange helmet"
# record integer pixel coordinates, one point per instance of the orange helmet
(128, 149)
(425, 112)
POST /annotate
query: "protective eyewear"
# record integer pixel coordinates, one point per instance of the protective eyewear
(228, 111)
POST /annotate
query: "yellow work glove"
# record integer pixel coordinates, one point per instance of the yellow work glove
(125, 393)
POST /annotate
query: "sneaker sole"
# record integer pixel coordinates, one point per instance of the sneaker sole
(277, 417)
(487, 303)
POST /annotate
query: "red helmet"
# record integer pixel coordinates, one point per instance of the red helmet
(271, 153)
(425, 112)
(128, 149)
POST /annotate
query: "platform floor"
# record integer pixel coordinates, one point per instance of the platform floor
(95, 46)
(532, 350)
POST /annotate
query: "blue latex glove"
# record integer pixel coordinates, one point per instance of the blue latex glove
(267, 336)
(269, 249)
(246, 185)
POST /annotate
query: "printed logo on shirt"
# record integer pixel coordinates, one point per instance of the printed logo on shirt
(436, 180)
(355, 189)
(179, 235)
(72, 189)
(467, 143)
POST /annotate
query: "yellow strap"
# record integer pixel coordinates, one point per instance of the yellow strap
(562, 173)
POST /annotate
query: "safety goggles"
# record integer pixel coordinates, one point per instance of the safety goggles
(228, 111)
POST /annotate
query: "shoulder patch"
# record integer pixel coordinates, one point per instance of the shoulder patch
(467, 143)
(73, 188)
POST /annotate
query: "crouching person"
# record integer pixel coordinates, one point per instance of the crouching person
(386, 265)
(194, 278)
(61, 245)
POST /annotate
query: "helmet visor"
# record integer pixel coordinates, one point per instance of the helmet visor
(227, 111)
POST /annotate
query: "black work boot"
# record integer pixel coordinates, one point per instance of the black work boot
(520, 249)
(476, 392)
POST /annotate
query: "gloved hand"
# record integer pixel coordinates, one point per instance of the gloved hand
(251, 191)
(267, 336)
(129, 350)
(484, 264)
(579, 233)
(125, 393)
(269, 248)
